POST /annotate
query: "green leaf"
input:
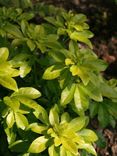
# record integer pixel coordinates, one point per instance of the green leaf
(31, 44)
(76, 124)
(24, 26)
(108, 91)
(95, 64)
(4, 53)
(78, 27)
(79, 18)
(88, 135)
(19, 59)
(103, 115)
(82, 37)
(37, 128)
(83, 73)
(73, 46)
(57, 56)
(16, 42)
(112, 121)
(52, 21)
(21, 121)
(53, 45)
(27, 92)
(11, 135)
(86, 34)
(10, 119)
(112, 108)
(92, 91)
(13, 30)
(67, 94)
(94, 106)
(19, 146)
(52, 72)
(38, 145)
(88, 147)
(65, 117)
(39, 112)
(8, 82)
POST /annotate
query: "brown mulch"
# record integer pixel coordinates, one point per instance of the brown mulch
(111, 144)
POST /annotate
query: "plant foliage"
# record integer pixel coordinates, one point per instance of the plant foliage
(50, 79)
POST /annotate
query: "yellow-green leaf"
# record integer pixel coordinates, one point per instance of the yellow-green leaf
(8, 82)
(69, 145)
(10, 119)
(67, 94)
(24, 69)
(88, 135)
(12, 103)
(21, 121)
(27, 92)
(53, 116)
(88, 147)
(13, 30)
(81, 101)
(76, 124)
(52, 72)
(38, 145)
(63, 151)
(39, 112)
(52, 151)
(4, 53)
(37, 128)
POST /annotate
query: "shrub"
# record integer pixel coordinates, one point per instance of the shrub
(50, 79)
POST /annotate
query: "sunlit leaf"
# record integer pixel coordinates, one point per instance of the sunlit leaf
(52, 151)
(88, 147)
(12, 103)
(53, 116)
(70, 146)
(39, 111)
(24, 69)
(4, 53)
(38, 145)
(88, 135)
(27, 92)
(63, 151)
(52, 72)
(37, 128)
(10, 119)
(76, 124)
(92, 91)
(21, 121)
(81, 101)
(8, 82)
(67, 94)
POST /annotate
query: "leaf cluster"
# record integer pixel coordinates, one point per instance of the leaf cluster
(50, 79)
